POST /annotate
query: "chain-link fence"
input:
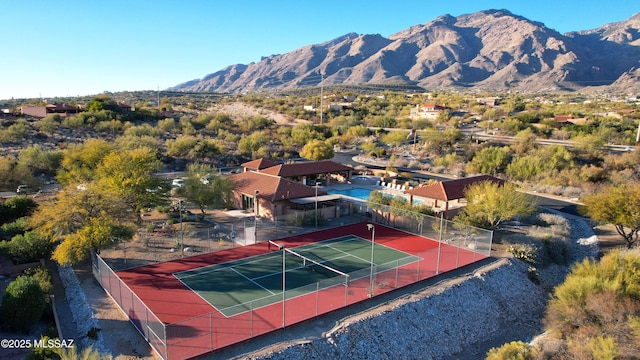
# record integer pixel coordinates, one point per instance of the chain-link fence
(458, 246)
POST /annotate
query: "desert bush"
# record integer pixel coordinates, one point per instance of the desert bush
(515, 350)
(524, 252)
(559, 226)
(143, 130)
(43, 276)
(532, 274)
(73, 122)
(42, 353)
(16, 207)
(595, 311)
(23, 303)
(9, 230)
(29, 247)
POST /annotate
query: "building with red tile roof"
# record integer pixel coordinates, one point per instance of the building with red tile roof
(305, 171)
(258, 164)
(446, 194)
(276, 196)
(49, 109)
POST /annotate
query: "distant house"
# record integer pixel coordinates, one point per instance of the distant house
(49, 109)
(444, 196)
(123, 108)
(338, 107)
(488, 101)
(428, 111)
(569, 119)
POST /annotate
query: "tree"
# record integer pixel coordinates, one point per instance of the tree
(251, 143)
(394, 137)
(83, 221)
(317, 150)
(206, 189)
(525, 168)
(79, 162)
(618, 205)
(489, 204)
(97, 233)
(489, 160)
(524, 142)
(22, 303)
(303, 133)
(38, 160)
(129, 174)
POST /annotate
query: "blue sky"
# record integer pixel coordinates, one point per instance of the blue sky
(69, 48)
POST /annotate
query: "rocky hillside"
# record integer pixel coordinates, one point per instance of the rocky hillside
(492, 49)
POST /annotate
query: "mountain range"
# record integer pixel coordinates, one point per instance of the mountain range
(486, 50)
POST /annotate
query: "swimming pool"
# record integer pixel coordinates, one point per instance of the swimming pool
(360, 193)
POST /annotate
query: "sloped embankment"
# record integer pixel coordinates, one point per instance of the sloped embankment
(461, 319)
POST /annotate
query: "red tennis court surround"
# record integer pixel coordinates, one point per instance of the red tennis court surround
(179, 324)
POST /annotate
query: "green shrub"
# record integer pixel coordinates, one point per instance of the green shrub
(9, 230)
(595, 310)
(43, 276)
(16, 207)
(23, 303)
(515, 350)
(29, 247)
(42, 353)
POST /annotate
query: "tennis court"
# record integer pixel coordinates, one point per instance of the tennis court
(242, 285)
(191, 306)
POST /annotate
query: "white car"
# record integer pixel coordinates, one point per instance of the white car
(22, 189)
(177, 183)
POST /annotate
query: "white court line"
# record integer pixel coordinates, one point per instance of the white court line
(221, 266)
(241, 274)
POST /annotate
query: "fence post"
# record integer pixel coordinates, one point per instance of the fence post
(211, 345)
(166, 341)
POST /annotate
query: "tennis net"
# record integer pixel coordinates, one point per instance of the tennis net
(319, 267)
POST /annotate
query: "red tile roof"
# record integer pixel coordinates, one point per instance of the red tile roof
(450, 190)
(305, 168)
(259, 164)
(271, 187)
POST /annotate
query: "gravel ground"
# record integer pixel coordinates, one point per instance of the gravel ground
(459, 317)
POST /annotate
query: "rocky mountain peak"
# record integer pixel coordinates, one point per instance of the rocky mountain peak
(491, 49)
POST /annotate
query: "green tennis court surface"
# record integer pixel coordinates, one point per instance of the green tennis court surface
(241, 285)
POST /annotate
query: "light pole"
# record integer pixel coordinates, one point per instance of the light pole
(372, 228)
(316, 202)
(181, 232)
(255, 216)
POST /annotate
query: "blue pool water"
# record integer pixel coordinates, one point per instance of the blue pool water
(359, 193)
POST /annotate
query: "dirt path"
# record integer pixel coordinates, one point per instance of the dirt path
(119, 335)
